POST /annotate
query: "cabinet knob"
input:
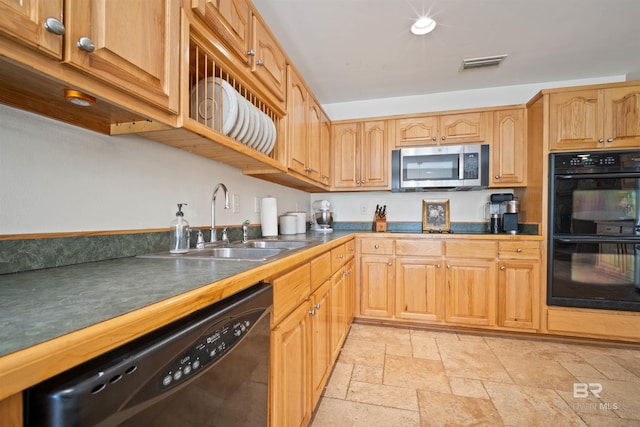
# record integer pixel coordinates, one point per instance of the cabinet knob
(519, 250)
(259, 62)
(610, 140)
(312, 312)
(448, 265)
(351, 249)
(497, 177)
(85, 43)
(376, 246)
(251, 52)
(503, 268)
(435, 138)
(317, 306)
(340, 256)
(601, 140)
(444, 137)
(358, 181)
(362, 182)
(54, 26)
(390, 264)
(438, 265)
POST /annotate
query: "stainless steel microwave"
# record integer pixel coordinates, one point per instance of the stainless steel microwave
(457, 167)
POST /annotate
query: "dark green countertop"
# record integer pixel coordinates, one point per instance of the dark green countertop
(40, 305)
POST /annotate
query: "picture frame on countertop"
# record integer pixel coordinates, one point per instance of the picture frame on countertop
(435, 215)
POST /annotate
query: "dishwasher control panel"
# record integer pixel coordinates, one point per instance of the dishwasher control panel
(208, 349)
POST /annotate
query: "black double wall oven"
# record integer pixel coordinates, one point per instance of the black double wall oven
(594, 230)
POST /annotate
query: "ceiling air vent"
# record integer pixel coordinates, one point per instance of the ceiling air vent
(487, 61)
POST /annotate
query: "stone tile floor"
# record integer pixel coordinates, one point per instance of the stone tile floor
(393, 376)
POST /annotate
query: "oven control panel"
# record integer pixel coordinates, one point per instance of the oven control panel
(208, 349)
(596, 162)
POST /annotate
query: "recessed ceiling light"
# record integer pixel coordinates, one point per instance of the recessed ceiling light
(423, 26)
(79, 98)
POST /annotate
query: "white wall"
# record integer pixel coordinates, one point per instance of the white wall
(465, 206)
(60, 178)
(488, 97)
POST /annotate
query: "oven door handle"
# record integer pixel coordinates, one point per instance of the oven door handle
(608, 239)
(620, 175)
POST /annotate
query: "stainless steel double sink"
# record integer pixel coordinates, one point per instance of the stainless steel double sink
(252, 250)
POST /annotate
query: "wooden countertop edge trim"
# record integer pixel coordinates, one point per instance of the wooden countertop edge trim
(425, 236)
(24, 368)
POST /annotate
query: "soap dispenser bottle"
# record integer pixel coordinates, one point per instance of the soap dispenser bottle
(179, 233)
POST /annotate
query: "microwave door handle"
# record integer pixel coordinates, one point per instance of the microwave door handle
(461, 166)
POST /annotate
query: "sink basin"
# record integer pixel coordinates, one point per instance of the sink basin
(229, 253)
(276, 244)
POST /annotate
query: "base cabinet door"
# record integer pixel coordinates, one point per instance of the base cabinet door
(418, 286)
(518, 294)
(291, 369)
(338, 311)
(470, 292)
(321, 354)
(376, 286)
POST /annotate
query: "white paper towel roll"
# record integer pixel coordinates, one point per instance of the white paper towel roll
(269, 216)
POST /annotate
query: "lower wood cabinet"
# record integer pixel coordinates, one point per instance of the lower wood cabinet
(376, 286)
(470, 292)
(417, 289)
(478, 283)
(308, 331)
(291, 369)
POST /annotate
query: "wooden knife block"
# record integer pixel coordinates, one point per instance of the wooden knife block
(380, 224)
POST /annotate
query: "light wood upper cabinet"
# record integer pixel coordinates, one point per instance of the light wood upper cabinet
(306, 130)
(361, 155)
(25, 22)
(508, 149)
(297, 110)
(131, 45)
(594, 118)
(231, 19)
(325, 151)
(268, 60)
(440, 129)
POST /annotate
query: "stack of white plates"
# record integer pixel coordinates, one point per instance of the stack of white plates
(239, 118)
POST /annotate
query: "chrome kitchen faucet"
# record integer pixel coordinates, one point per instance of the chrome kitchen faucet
(213, 209)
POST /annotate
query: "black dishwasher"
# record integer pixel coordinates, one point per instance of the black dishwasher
(209, 368)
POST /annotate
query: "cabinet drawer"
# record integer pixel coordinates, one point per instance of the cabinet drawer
(350, 249)
(376, 246)
(471, 249)
(337, 257)
(418, 247)
(320, 270)
(519, 250)
(289, 291)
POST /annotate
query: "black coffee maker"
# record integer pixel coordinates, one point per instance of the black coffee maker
(503, 212)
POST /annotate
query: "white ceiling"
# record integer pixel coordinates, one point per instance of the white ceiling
(351, 50)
